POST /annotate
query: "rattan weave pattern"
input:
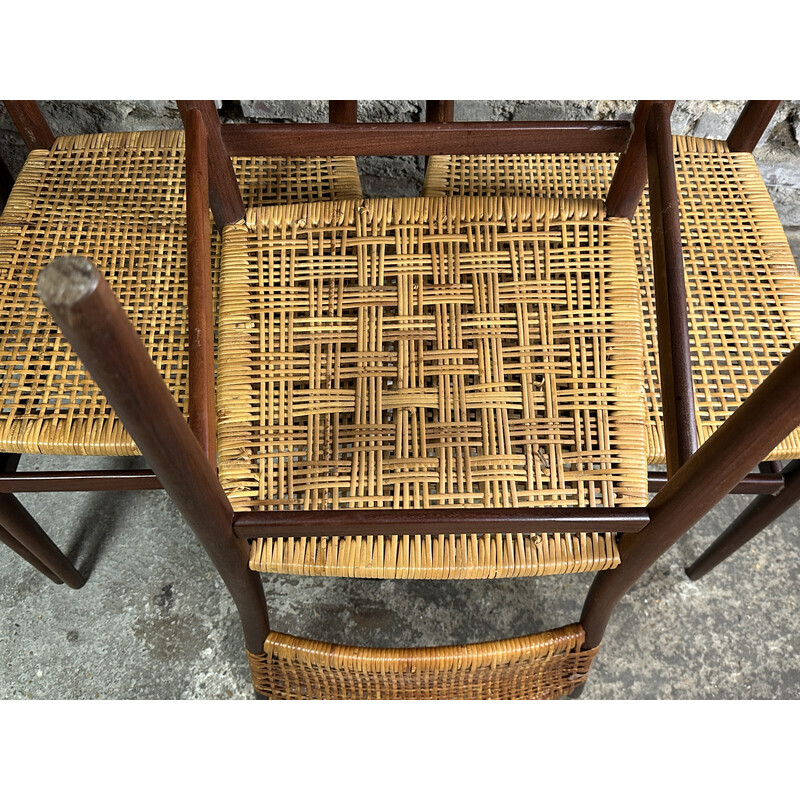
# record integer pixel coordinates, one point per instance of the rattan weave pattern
(542, 666)
(410, 353)
(119, 200)
(742, 283)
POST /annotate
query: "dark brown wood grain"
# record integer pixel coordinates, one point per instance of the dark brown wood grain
(752, 123)
(92, 320)
(435, 521)
(439, 110)
(630, 176)
(31, 124)
(343, 112)
(752, 484)
(202, 405)
(417, 138)
(224, 195)
(79, 481)
(760, 513)
(19, 525)
(7, 539)
(746, 438)
(674, 352)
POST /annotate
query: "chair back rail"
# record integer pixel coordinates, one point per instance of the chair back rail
(422, 139)
(429, 138)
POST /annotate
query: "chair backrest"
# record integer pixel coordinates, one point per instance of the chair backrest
(437, 135)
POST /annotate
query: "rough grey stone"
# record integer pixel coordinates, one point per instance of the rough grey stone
(69, 118)
(400, 177)
(391, 111)
(485, 110)
(287, 110)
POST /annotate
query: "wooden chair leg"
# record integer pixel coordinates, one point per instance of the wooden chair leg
(92, 320)
(23, 528)
(762, 511)
(743, 441)
(8, 464)
(7, 539)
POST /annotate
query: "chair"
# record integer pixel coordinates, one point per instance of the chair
(18, 530)
(291, 281)
(741, 286)
(118, 198)
(760, 513)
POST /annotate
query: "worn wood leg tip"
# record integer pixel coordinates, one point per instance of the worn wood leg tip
(691, 573)
(77, 583)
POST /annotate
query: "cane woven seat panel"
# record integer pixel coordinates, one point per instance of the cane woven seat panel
(542, 666)
(742, 284)
(410, 353)
(278, 180)
(119, 200)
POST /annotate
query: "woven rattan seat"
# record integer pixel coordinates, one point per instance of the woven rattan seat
(427, 387)
(742, 284)
(413, 353)
(120, 199)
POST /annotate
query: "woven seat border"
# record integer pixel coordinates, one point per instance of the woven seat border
(546, 665)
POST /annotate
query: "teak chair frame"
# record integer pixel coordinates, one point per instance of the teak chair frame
(83, 306)
(37, 134)
(777, 484)
(220, 143)
(18, 529)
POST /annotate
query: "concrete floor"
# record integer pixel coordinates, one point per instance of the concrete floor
(154, 620)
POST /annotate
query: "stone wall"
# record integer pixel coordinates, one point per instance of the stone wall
(778, 154)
